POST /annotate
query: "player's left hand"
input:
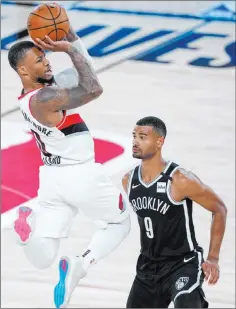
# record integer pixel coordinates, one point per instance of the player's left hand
(54, 46)
(211, 270)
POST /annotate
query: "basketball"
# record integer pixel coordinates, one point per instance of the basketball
(50, 20)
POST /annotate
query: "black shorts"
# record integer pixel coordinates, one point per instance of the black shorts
(156, 285)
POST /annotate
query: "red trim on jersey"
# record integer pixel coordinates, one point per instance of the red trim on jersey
(121, 204)
(63, 119)
(69, 120)
(24, 94)
(30, 106)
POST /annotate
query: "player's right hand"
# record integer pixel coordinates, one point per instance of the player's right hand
(54, 46)
(211, 270)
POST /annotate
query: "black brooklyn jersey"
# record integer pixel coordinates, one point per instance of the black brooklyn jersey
(166, 226)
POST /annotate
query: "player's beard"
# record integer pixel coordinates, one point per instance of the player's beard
(44, 81)
(142, 156)
(137, 156)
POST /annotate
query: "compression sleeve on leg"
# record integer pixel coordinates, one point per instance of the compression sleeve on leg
(105, 241)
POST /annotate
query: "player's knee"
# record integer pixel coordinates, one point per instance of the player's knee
(122, 227)
(122, 222)
(41, 252)
(126, 224)
(189, 300)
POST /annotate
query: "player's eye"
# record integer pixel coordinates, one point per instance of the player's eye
(143, 137)
(39, 59)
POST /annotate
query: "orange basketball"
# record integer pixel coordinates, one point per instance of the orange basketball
(50, 20)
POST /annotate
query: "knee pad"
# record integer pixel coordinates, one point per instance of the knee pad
(41, 251)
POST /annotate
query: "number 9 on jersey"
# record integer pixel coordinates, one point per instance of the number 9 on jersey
(148, 227)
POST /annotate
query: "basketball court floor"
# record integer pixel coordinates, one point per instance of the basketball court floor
(185, 76)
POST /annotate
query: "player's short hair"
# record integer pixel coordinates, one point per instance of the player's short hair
(157, 124)
(18, 51)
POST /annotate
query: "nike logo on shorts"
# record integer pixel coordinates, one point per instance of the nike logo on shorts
(187, 260)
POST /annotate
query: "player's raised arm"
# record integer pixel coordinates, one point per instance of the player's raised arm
(188, 185)
(88, 89)
(69, 77)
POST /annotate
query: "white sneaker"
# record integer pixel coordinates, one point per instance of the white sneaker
(70, 273)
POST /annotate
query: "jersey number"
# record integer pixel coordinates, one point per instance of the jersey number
(41, 144)
(148, 227)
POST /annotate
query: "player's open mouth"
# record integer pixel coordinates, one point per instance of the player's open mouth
(48, 72)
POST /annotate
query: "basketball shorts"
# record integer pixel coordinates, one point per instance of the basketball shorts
(66, 191)
(177, 281)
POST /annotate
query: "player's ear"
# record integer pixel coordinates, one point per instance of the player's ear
(22, 70)
(160, 141)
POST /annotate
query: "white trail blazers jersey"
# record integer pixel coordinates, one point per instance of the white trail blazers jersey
(70, 142)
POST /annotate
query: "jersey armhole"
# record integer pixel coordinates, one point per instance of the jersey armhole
(130, 182)
(169, 187)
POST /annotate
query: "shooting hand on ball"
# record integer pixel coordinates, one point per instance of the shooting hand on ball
(54, 46)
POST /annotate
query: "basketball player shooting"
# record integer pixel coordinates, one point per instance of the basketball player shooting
(170, 266)
(70, 180)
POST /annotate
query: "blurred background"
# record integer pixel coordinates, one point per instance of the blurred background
(171, 59)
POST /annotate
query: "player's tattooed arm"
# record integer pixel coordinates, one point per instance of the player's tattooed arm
(71, 35)
(88, 89)
(88, 77)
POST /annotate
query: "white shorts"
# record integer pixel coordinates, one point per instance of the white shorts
(64, 191)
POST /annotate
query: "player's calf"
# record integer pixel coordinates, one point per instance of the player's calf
(23, 225)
